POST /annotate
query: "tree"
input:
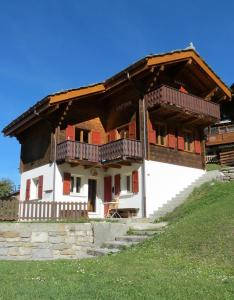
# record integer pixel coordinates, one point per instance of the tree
(6, 187)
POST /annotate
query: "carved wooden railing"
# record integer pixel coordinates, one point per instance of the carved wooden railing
(220, 135)
(77, 150)
(120, 149)
(123, 148)
(171, 96)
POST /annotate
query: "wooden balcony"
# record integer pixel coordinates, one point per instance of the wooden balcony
(169, 96)
(118, 150)
(70, 150)
(220, 135)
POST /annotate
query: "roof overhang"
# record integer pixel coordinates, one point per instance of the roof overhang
(189, 54)
(101, 88)
(77, 93)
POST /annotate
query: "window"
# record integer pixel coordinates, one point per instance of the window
(34, 188)
(188, 142)
(75, 186)
(81, 135)
(123, 132)
(126, 184)
(161, 135)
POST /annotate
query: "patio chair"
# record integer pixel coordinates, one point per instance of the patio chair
(113, 209)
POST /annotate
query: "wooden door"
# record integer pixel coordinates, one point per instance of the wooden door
(92, 193)
(107, 193)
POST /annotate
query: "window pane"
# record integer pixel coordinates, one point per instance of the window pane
(72, 184)
(128, 182)
(78, 184)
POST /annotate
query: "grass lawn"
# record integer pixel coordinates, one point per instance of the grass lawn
(192, 259)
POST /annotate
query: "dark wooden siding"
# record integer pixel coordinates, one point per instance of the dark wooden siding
(36, 147)
(173, 156)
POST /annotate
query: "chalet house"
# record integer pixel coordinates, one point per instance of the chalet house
(220, 136)
(136, 138)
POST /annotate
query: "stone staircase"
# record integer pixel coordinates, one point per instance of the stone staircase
(170, 205)
(138, 233)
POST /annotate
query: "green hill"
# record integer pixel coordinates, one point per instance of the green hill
(192, 259)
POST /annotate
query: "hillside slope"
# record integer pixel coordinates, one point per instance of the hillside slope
(192, 259)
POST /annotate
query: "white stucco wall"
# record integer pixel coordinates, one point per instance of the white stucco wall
(84, 174)
(47, 172)
(126, 200)
(164, 181)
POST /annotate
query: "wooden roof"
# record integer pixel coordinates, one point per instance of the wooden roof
(145, 64)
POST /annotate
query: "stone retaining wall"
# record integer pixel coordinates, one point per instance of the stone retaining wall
(228, 174)
(36, 241)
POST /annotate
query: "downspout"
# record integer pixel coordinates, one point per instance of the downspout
(54, 163)
(143, 166)
(143, 173)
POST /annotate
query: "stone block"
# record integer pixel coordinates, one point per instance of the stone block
(68, 252)
(25, 251)
(3, 251)
(42, 253)
(39, 237)
(59, 246)
(41, 245)
(10, 234)
(70, 239)
(57, 233)
(25, 234)
(81, 233)
(56, 239)
(13, 251)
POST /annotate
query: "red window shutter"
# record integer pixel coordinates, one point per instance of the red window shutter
(70, 133)
(197, 144)
(117, 184)
(132, 130)
(180, 141)
(96, 138)
(135, 183)
(183, 90)
(107, 189)
(27, 194)
(66, 183)
(171, 139)
(40, 187)
(112, 135)
(151, 133)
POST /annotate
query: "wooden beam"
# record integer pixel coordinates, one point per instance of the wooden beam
(181, 55)
(125, 163)
(116, 166)
(211, 93)
(155, 77)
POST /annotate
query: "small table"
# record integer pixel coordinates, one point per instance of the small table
(127, 212)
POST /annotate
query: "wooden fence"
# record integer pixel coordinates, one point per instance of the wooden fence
(9, 210)
(42, 210)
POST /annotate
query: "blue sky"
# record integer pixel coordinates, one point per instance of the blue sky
(51, 45)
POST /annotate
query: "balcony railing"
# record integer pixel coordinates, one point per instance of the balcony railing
(116, 150)
(171, 96)
(77, 150)
(123, 148)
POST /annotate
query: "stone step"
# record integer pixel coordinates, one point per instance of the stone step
(148, 226)
(145, 232)
(101, 251)
(118, 245)
(132, 238)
